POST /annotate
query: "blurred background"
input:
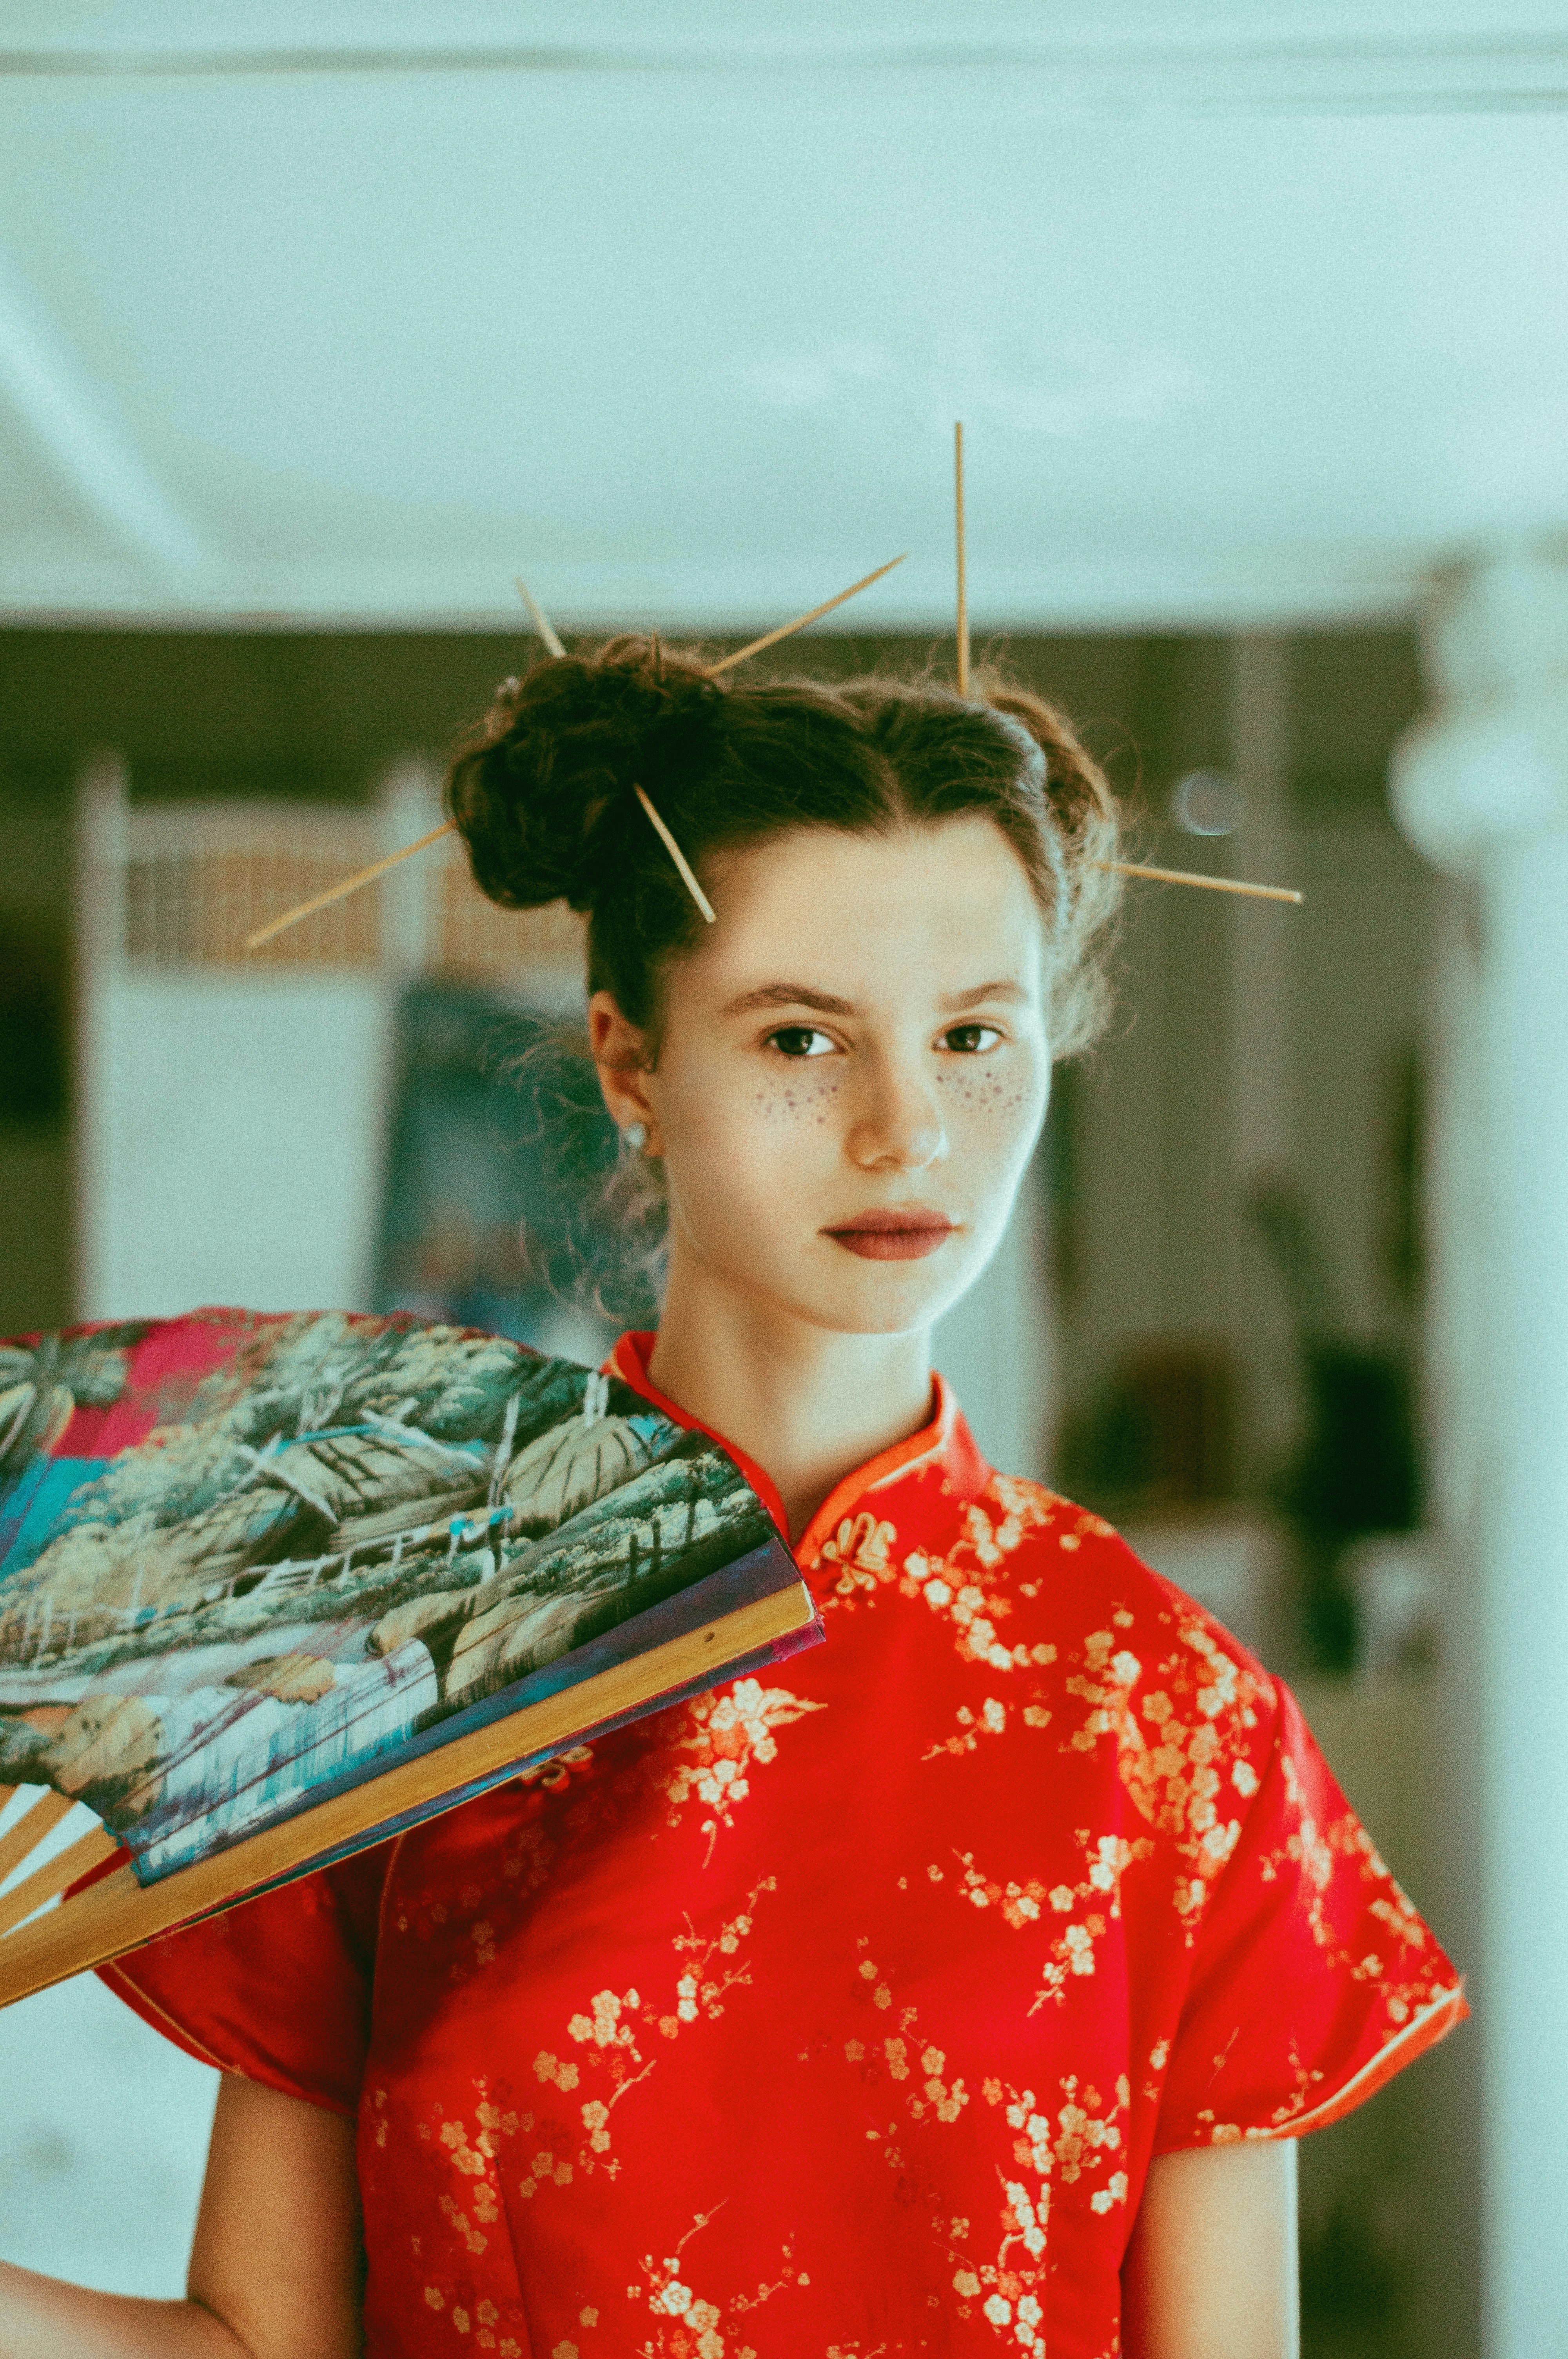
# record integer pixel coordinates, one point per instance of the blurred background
(319, 325)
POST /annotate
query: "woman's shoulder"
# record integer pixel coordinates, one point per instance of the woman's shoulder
(945, 1521)
(1047, 1549)
(1032, 1583)
(277, 1989)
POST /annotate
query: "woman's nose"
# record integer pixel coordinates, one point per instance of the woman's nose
(900, 1128)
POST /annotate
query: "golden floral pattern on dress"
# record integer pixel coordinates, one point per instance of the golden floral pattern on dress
(607, 2060)
(685, 2324)
(1184, 1745)
(1315, 1853)
(724, 1737)
(1092, 1905)
(841, 2020)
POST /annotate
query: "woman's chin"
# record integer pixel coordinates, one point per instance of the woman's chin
(821, 1286)
(887, 1298)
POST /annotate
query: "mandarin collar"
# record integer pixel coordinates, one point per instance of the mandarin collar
(943, 1440)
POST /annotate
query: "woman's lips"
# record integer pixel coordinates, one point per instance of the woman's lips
(908, 1234)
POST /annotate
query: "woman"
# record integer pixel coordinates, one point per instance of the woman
(961, 1986)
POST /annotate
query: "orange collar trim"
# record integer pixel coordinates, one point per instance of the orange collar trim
(629, 1361)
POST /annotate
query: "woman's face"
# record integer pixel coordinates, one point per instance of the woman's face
(852, 1073)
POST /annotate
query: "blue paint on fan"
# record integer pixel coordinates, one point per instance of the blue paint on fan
(30, 1516)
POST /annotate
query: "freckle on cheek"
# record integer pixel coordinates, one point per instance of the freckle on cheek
(796, 1100)
(986, 1091)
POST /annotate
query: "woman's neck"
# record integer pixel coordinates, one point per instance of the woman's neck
(809, 1406)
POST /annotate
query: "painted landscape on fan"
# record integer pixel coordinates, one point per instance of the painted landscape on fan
(249, 1561)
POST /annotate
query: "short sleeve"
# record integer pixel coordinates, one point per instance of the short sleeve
(1314, 1979)
(277, 1989)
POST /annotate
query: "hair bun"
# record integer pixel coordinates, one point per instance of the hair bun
(540, 790)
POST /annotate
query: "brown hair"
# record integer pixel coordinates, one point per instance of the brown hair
(541, 792)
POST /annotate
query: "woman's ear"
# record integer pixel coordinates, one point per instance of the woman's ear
(619, 1052)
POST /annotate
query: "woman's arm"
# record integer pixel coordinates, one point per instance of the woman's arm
(275, 2270)
(1210, 2272)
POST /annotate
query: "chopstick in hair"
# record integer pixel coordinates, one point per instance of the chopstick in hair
(542, 622)
(548, 632)
(340, 892)
(787, 630)
(688, 876)
(1208, 883)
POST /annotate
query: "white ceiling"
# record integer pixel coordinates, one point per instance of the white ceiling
(346, 312)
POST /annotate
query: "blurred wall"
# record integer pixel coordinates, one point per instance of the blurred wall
(1220, 1001)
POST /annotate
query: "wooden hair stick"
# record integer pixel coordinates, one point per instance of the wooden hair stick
(788, 630)
(1208, 883)
(688, 876)
(340, 892)
(542, 621)
(1117, 867)
(546, 632)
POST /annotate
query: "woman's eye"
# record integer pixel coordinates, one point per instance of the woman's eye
(800, 1040)
(969, 1040)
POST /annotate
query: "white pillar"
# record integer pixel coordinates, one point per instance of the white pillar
(1481, 787)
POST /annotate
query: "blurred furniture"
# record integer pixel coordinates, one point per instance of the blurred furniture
(1352, 1471)
(1396, 1581)
(494, 1211)
(1233, 1560)
(1159, 1434)
(232, 1105)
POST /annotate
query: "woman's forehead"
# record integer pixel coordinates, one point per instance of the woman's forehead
(939, 911)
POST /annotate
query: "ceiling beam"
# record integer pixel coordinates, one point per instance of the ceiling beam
(1373, 70)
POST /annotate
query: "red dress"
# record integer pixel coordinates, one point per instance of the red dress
(840, 2014)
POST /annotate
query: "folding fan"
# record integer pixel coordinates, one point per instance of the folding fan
(273, 1588)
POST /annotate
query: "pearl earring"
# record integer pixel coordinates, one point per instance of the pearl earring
(636, 1137)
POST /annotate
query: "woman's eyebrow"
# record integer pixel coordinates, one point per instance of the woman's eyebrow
(1010, 991)
(791, 994)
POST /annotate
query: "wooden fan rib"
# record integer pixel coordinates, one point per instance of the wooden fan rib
(44, 1883)
(31, 1828)
(118, 1914)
